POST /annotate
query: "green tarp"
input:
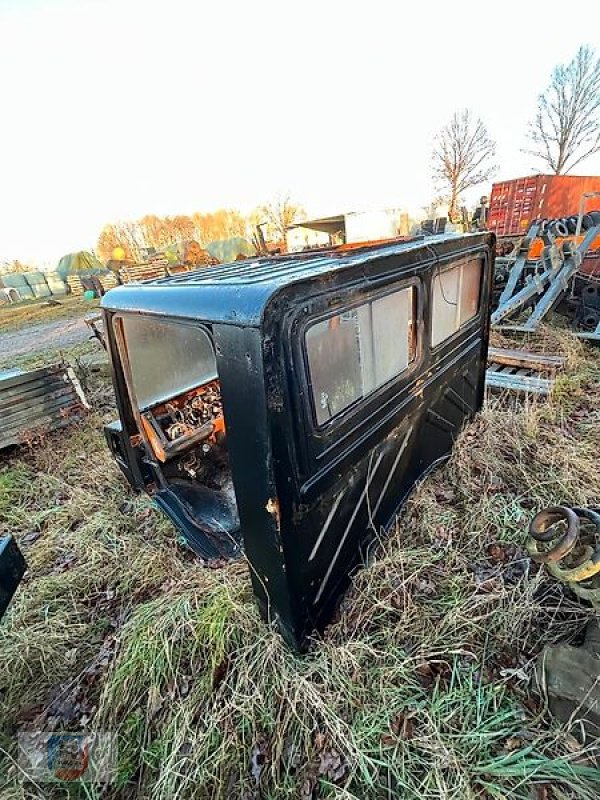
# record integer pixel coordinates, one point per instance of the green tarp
(79, 262)
(227, 250)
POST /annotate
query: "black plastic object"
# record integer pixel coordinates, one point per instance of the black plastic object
(571, 224)
(12, 569)
(561, 228)
(307, 497)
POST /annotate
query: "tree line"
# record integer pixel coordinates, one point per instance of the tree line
(151, 231)
(563, 133)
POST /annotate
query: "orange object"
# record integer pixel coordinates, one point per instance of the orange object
(537, 246)
(155, 443)
(516, 203)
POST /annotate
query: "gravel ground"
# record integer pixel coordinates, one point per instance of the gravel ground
(43, 336)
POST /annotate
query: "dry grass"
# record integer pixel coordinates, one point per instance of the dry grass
(20, 315)
(419, 689)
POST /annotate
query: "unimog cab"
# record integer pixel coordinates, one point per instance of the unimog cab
(283, 408)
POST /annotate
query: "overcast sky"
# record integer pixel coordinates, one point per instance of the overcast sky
(117, 108)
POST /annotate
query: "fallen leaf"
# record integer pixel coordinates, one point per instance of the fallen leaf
(65, 562)
(541, 791)
(571, 743)
(512, 743)
(331, 765)
(402, 728)
(496, 553)
(308, 787)
(425, 586)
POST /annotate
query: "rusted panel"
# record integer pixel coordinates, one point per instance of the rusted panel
(39, 401)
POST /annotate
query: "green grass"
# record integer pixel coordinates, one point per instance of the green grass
(418, 689)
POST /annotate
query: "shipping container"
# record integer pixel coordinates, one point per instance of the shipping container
(515, 204)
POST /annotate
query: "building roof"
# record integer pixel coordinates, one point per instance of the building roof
(238, 293)
(325, 224)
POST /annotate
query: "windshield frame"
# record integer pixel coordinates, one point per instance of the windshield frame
(123, 350)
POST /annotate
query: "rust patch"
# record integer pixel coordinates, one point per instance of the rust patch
(272, 508)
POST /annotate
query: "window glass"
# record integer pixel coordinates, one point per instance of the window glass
(455, 299)
(469, 291)
(353, 353)
(166, 359)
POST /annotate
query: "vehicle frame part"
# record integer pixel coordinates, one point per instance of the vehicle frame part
(545, 286)
(572, 557)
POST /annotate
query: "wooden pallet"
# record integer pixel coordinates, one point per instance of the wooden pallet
(521, 371)
(108, 281)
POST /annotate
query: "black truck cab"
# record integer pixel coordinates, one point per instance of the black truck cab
(283, 408)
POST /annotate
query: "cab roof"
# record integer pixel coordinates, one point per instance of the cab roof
(238, 293)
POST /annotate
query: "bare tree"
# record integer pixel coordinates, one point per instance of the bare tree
(566, 128)
(462, 157)
(279, 214)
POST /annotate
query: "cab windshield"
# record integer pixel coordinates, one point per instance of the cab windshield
(166, 359)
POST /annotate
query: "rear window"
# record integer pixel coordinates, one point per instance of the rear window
(456, 294)
(355, 352)
(165, 359)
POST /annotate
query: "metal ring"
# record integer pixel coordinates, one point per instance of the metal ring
(540, 530)
(593, 516)
(580, 572)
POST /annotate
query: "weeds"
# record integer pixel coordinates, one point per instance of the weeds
(418, 689)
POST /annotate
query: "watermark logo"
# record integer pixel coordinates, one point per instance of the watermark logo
(50, 756)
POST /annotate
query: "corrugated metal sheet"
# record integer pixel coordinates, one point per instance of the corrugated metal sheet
(36, 402)
(514, 204)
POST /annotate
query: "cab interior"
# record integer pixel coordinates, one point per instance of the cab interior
(171, 375)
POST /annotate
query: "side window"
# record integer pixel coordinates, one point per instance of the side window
(455, 299)
(353, 353)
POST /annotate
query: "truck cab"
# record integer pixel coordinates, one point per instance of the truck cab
(281, 409)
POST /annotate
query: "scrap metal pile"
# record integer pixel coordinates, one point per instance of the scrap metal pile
(546, 271)
(567, 542)
(39, 401)
(194, 411)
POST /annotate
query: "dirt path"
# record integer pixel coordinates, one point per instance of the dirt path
(43, 336)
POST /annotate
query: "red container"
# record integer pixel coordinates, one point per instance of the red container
(515, 204)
